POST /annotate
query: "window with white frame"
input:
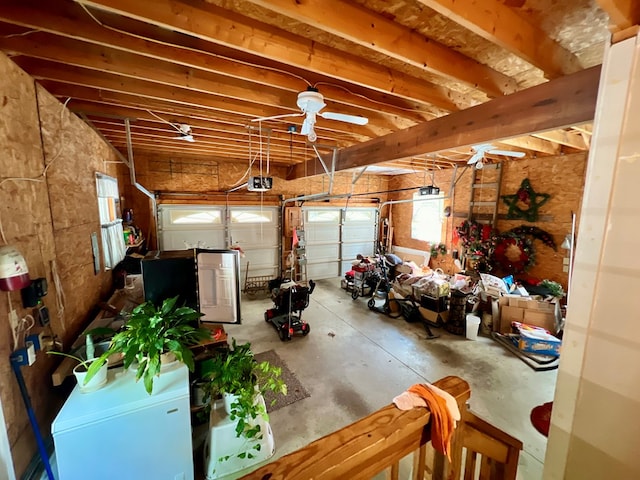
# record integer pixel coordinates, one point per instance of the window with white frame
(113, 246)
(251, 216)
(427, 217)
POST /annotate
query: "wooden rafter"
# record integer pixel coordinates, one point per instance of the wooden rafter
(534, 144)
(224, 27)
(500, 24)
(563, 137)
(622, 13)
(69, 20)
(363, 27)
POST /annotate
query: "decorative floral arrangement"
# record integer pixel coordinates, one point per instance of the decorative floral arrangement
(475, 237)
(438, 249)
(513, 252)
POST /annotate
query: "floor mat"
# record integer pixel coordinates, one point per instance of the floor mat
(295, 390)
(541, 417)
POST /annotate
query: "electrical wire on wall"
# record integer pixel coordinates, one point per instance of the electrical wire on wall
(42, 176)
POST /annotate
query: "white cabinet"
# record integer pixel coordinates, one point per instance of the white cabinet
(122, 432)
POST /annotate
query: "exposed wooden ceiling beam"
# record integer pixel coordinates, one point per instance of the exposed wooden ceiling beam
(570, 139)
(500, 24)
(371, 30)
(96, 111)
(206, 141)
(622, 13)
(533, 144)
(556, 104)
(222, 150)
(219, 26)
(80, 54)
(209, 134)
(72, 21)
(138, 88)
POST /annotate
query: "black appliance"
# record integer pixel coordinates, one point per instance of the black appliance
(205, 280)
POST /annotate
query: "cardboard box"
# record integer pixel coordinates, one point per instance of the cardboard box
(529, 311)
(510, 314)
(531, 343)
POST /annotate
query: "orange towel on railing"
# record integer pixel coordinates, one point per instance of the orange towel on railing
(442, 419)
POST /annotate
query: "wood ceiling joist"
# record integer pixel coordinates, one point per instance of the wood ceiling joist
(90, 75)
(533, 144)
(500, 24)
(622, 13)
(206, 142)
(96, 109)
(186, 147)
(556, 104)
(207, 135)
(224, 27)
(71, 21)
(102, 59)
(93, 80)
(104, 109)
(372, 30)
(563, 137)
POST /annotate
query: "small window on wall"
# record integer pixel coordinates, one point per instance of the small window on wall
(320, 216)
(427, 218)
(251, 216)
(359, 215)
(113, 246)
(195, 217)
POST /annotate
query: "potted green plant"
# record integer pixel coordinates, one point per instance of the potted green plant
(152, 332)
(86, 384)
(242, 381)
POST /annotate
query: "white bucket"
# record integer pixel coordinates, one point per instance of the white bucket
(473, 323)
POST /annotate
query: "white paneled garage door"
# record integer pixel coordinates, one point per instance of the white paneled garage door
(254, 229)
(334, 236)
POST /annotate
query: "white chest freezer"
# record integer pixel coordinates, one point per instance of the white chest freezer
(121, 432)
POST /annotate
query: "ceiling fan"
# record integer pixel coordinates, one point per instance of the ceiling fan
(311, 101)
(184, 132)
(481, 150)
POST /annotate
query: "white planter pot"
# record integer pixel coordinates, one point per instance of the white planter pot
(228, 399)
(98, 381)
(168, 360)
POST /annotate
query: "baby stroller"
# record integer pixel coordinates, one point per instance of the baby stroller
(290, 299)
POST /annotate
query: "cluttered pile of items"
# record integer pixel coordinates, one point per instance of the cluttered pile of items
(530, 320)
(525, 319)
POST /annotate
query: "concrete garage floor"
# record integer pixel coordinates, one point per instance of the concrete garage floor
(354, 361)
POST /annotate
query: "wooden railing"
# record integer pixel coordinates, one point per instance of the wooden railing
(377, 443)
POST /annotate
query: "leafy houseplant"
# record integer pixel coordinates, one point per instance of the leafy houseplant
(152, 331)
(236, 373)
(80, 371)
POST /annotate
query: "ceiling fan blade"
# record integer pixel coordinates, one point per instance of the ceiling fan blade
(475, 157)
(507, 153)
(285, 115)
(356, 120)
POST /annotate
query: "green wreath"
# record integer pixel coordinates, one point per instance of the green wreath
(537, 233)
(525, 195)
(514, 253)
